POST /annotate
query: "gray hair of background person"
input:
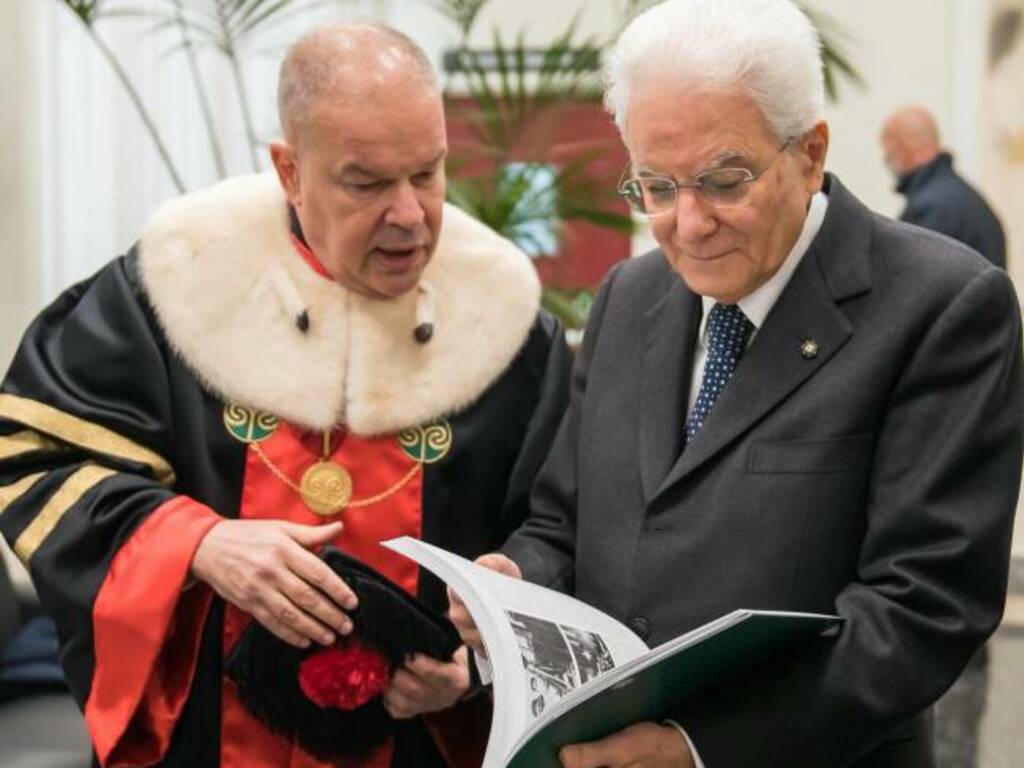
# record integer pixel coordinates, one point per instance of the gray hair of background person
(767, 48)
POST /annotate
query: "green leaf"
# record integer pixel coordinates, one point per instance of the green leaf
(88, 11)
(463, 13)
(834, 59)
(571, 307)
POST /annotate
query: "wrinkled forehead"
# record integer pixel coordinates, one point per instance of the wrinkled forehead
(370, 115)
(382, 139)
(686, 130)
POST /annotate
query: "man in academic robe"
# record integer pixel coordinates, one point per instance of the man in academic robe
(793, 404)
(325, 355)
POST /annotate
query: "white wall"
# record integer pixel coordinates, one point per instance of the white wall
(19, 238)
(927, 52)
(900, 67)
(19, 243)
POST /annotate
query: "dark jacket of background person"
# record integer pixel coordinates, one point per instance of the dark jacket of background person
(940, 200)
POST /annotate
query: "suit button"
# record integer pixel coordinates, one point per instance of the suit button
(641, 626)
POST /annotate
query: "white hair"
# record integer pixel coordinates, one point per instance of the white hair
(767, 48)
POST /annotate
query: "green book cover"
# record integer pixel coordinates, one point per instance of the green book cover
(656, 684)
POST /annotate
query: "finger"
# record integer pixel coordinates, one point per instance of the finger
(314, 603)
(459, 616)
(470, 636)
(473, 640)
(310, 536)
(285, 612)
(582, 756)
(410, 686)
(604, 753)
(496, 561)
(398, 705)
(316, 572)
(280, 630)
(570, 756)
(449, 679)
(425, 666)
(454, 601)
(457, 609)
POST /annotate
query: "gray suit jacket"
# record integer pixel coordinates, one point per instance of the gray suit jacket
(876, 480)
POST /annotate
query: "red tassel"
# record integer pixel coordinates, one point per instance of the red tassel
(344, 677)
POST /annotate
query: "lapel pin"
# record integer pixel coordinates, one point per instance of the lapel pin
(809, 349)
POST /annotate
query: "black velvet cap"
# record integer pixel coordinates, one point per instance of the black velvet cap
(388, 620)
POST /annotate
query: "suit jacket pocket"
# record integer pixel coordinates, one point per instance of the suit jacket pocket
(820, 456)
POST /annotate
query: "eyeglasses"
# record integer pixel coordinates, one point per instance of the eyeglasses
(655, 194)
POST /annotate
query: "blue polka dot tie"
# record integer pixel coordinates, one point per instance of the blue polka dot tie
(728, 330)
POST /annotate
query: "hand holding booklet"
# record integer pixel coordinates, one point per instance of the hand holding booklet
(564, 672)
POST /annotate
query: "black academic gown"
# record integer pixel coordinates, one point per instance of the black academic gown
(117, 454)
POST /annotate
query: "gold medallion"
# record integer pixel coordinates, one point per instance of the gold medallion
(326, 488)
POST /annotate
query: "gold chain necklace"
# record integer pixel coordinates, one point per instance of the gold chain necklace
(326, 487)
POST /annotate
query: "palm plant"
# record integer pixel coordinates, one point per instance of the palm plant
(511, 174)
(835, 61)
(89, 12)
(191, 55)
(462, 13)
(224, 26)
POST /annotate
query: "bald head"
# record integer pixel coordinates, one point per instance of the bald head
(910, 139)
(358, 63)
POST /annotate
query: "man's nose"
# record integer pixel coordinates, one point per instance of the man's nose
(404, 209)
(695, 216)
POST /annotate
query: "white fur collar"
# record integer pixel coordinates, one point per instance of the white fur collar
(211, 265)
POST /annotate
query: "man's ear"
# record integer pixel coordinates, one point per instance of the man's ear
(815, 147)
(286, 165)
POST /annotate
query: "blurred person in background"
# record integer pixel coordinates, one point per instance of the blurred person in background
(938, 198)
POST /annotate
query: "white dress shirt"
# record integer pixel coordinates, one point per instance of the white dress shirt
(758, 304)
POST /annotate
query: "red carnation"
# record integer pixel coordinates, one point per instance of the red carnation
(344, 678)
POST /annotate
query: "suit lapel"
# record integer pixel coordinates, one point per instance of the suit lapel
(670, 334)
(834, 268)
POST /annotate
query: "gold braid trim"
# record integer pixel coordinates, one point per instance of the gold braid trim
(84, 434)
(11, 493)
(73, 489)
(24, 442)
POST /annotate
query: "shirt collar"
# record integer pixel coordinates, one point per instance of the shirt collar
(302, 247)
(758, 304)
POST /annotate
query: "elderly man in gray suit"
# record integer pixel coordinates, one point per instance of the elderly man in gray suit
(794, 404)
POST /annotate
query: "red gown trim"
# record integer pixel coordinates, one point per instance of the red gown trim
(375, 464)
(146, 635)
(310, 258)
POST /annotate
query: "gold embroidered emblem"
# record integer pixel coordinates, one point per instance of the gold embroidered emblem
(427, 444)
(248, 425)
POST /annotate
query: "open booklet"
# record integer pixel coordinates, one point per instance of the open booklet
(564, 672)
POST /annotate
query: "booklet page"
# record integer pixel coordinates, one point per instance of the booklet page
(541, 645)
